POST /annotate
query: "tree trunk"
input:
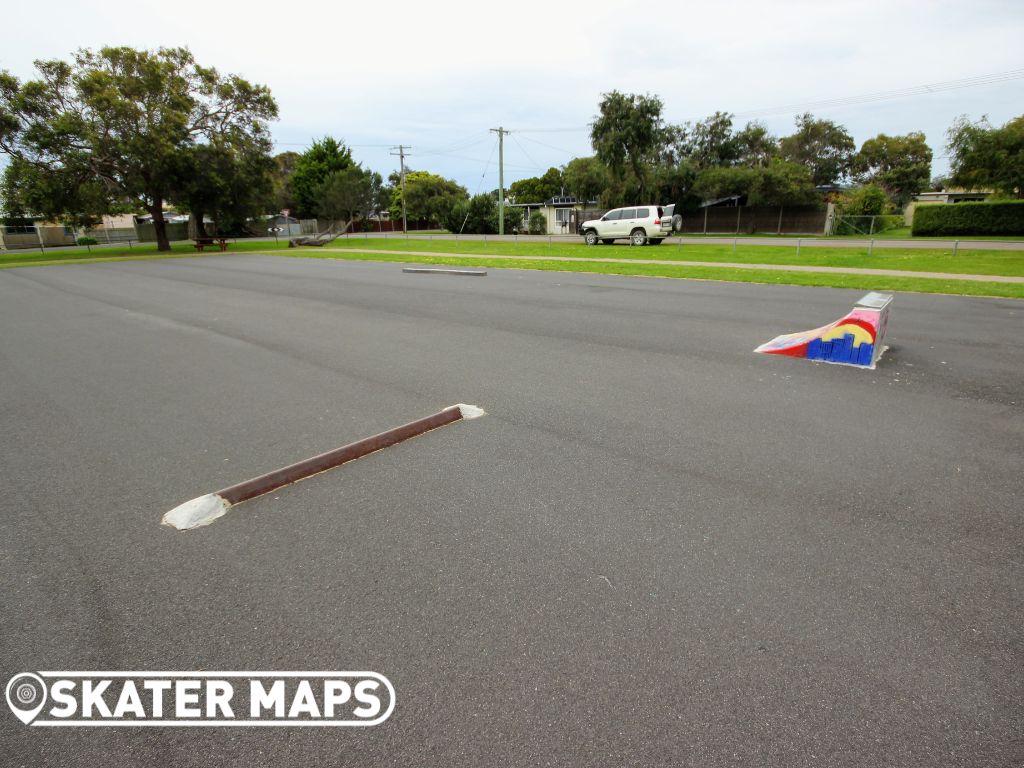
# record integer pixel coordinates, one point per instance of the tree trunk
(200, 226)
(160, 226)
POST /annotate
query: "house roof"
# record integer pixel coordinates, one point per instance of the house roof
(720, 200)
(563, 201)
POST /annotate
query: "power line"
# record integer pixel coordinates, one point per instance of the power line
(309, 144)
(466, 143)
(866, 98)
(537, 165)
(550, 146)
(844, 101)
(479, 184)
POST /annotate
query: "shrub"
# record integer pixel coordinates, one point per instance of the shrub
(868, 200)
(538, 223)
(87, 241)
(969, 219)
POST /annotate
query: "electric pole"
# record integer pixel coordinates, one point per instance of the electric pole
(501, 177)
(401, 155)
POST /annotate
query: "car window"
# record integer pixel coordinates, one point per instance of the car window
(661, 213)
(641, 213)
(628, 213)
(611, 216)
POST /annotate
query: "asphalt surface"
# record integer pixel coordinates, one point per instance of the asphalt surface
(657, 548)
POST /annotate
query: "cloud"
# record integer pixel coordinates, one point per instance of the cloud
(437, 75)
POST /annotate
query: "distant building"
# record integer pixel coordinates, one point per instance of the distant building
(561, 214)
(945, 197)
(951, 196)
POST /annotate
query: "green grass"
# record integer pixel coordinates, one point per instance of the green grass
(972, 262)
(80, 255)
(863, 282)
(475, 253)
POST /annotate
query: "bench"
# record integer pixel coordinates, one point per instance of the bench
(199, 243)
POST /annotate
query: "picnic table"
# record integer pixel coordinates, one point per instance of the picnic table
(199, 243)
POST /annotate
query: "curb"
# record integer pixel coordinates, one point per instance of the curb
(203, 510)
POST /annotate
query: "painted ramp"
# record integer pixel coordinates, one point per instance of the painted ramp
(856, 339)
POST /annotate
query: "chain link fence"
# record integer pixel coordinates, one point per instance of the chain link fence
(863, 226)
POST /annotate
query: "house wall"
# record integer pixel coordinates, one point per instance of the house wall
(47, 235)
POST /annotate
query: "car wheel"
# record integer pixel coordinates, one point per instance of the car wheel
(655, 240)
(590, 237)
(638, 237)
(677, 223)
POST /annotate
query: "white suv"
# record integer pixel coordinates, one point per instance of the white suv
(639, 224)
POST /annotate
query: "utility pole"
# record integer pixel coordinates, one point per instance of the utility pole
(501, 177)
(401, 155)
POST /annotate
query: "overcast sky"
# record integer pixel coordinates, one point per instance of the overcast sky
(437, 76)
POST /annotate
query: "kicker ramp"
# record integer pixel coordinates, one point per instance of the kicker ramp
(856, 339)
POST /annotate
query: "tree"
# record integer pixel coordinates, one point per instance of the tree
(428, 196)
(719, 182)
(230, 182)
(781, 183)
(538, 189)
(586, 178)
(76, 199)
(711, 143)
(122, 117)
(349, 193)
(983, 157)
(284, 168)
(901, 165)
(754, 146)
(868, 200)
(674, 184)
(479, 216)
(824, 147)
(628, 133)
(312, 168)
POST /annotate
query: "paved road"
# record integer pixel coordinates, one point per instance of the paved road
(657, 549)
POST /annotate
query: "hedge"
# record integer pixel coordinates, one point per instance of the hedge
(969, 219)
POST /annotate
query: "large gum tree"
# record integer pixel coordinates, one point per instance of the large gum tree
(124, 118)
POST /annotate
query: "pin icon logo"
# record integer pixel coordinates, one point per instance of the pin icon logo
(26, 696)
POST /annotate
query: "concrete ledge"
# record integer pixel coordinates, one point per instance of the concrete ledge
(426, 271)
(207, 508)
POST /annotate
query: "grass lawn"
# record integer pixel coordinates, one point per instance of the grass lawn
(81, 255)
(1007, 263)
(475, 253)
(864, 282)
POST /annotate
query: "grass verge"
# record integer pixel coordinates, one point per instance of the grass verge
(969, 262)
(864, 282)
(475, 253)
(135, 253)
